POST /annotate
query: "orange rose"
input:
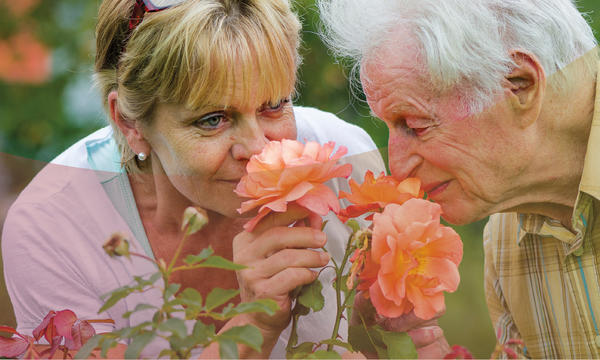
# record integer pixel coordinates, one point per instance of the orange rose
(417, 257)
(374, 194)
(289, 171)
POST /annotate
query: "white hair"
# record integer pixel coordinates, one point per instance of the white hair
(463, 42)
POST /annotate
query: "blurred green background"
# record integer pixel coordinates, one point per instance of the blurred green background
(47, 102)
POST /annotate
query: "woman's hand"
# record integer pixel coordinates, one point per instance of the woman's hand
(278, 259)
(427, 335)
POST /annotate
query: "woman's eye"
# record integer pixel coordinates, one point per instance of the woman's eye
(276, 106)
(211, 122)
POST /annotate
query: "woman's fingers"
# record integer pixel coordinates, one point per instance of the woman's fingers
(292, 258)
(279, 238)
(275, 219)
(287, 280)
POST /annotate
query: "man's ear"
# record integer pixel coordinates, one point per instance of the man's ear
(525, 86)
(131, 129)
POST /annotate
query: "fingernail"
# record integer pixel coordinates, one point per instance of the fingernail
(324, 257)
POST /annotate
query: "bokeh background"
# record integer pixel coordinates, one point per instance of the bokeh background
(47, 101)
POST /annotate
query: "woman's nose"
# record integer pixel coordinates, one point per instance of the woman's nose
(251, 139)
(403, 158)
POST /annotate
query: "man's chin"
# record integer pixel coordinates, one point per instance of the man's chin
(460, 215)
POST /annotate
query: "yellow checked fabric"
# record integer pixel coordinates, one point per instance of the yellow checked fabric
(543, 281)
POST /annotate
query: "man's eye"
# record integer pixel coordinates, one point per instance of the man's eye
(420, 131)
(211, 121)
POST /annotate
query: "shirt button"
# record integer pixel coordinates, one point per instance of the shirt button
(579, 251)
(597, 341)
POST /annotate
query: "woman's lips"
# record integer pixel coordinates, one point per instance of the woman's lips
(436, 189)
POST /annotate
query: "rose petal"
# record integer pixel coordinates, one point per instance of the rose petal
(425, 307)
(320, 200)
(386, 307)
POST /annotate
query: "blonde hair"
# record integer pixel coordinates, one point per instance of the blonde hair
(190, 54)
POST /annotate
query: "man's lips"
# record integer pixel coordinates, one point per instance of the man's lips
(433, 189)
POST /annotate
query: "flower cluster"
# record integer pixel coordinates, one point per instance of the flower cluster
(405, 261)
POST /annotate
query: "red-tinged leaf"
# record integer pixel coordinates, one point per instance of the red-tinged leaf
(63, 321)
(510, 352)
(81, 332)
(459, 352)
(50, 333)
(41, 328)
(49, 353)
(8, 329)
(12, 347)
(31, 353)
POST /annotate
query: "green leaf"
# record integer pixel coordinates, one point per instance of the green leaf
(248, 335)
(175, 326)
(339, 343)
(118, 294)
(145, 282)
(301, 351)
(364, 341)
(138, 307)
(115, 296)
(218, 262)
(267, 306)
(190, 297)
(218, 297)
(324, 354)
(86, 350)
(354, 225)
(106, 345)
(399, 345)
(227, 349)
(202, 332)
(324, 224)
(167, 353)
(194, 259)
(138, 343)
(311, 296)
(170, 291)
(128, 332)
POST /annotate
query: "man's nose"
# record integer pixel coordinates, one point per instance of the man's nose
(251, 139)
(403, 158)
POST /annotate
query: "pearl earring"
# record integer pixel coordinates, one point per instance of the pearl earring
(141, 156)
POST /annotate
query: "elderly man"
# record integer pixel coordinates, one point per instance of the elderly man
(494, 105)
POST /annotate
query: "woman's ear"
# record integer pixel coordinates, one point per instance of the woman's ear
(131, 129)
(525, 86)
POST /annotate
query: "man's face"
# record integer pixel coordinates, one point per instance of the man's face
(469, 164)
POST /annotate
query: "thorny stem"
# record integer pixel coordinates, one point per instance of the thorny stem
(143, 257)
(110, 321)
(177, 252)
(338, 292)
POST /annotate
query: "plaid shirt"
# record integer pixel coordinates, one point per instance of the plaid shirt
(542, 281)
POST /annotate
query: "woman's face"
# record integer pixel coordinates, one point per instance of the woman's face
(204, 153)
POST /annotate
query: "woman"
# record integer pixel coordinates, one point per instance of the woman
(193, 89)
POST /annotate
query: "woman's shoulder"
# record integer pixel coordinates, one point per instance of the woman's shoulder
(321, 126)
